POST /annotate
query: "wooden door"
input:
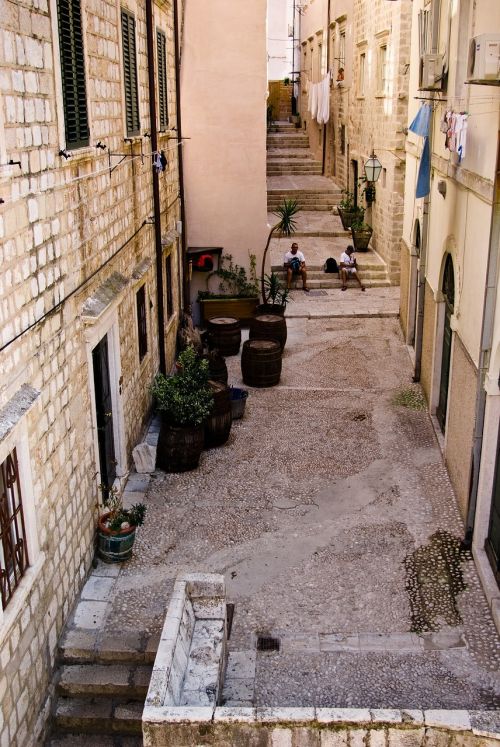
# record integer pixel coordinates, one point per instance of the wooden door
(449, 296)
(104, 412)
(492, 545)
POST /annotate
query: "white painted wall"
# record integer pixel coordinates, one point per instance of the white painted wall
(279, 43)
(223, 79)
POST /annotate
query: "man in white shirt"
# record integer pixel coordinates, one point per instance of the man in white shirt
(349, 269)
(295, 264)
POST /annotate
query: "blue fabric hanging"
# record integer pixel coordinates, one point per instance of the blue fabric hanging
(420, 125)
(424, 171)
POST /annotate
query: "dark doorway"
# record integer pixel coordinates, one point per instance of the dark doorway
(415, 282)
(354, 176)
(492, 545)
(448, 288)
(104, 413)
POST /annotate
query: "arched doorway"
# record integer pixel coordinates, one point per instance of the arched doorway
(448, 289)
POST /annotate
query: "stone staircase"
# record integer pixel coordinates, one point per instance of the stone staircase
(288, 156)
(372, 272)
(100, 695)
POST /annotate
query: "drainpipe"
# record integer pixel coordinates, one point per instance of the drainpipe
(484, 355)
(186, 290)
(156, 186)
(327, 69)
(422, 271)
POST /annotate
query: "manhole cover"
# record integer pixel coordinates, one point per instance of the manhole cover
(268, 643)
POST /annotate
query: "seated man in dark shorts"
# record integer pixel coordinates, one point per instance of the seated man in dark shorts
(295, 264)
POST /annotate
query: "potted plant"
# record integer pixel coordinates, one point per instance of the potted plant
(348, 211)
(117, 525)
(184, 402)
(286, 226)
(361, 234)
(237, 294)
(277, 296)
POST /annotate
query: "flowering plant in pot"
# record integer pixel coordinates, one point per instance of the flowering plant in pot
(347, 209)
(184, 402)
(117, 525)
(361, 234)
(237, 294)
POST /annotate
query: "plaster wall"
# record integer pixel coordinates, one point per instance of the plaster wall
(223, 79)
(67, 227)
(279, 43)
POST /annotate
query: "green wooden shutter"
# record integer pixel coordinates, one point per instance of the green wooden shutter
(76, 120)
(161, 54)
(130, 74)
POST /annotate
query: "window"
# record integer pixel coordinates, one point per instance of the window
(142, 329)
(342, 139)
(382, 70)
(13, 547)
(130, 74)
(318, 62)
(362, 73)
(342, 50)
(161, 53)
(169, 305)
(76, 122)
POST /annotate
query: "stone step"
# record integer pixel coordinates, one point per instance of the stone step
(99, 715)
(93, 740)
(85, 646)
(302, 199)
(291, 168)
(322, 275)
(283, 153)
(285, 127)
(130, 681)
(335, 282)
(288, 141)
(271, 206)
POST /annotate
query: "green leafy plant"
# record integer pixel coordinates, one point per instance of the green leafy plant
(347, 201)
(186, 399)
(286, 226)
(234, 280)
(276, 292)
(118, 518)
(359, 225)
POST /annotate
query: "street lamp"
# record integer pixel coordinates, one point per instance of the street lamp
(373, 168)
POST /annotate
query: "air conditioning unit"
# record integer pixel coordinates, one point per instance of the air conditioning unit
(431, 72)
(484, 60)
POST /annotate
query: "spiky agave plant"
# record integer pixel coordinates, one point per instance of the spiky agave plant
(286, 226)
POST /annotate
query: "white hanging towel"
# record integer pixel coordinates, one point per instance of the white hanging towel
(324, 108)
(319, 108)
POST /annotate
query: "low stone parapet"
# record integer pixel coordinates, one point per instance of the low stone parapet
(318, 727)
(191, 658)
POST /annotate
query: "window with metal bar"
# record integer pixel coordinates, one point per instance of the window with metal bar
(161, 53)
(132, 119)
(13, 548)
(76, 121)
(142, 328)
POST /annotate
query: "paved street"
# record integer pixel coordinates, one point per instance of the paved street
(332, 517)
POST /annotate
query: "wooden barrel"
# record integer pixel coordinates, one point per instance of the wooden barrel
(224, 333)
(261, 362)
(218, 425)
(269, 327)
(270, 308)
(178, 449)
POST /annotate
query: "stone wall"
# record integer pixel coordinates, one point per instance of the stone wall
(68, 226)
(318, 727)
(460, 426)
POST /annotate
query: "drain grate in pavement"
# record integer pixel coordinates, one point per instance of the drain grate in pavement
(318, 293)
(268, 643)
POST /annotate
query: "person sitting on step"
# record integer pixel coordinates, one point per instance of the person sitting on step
(348, 268)
(295, 264)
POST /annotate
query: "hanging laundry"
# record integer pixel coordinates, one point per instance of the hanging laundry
(157, 165)
(420, 125)
(461, 135)
(424, 171)
(314, 100)
(324, 108)
(319, 106)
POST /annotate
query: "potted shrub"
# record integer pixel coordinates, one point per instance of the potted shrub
(286, 226)
(117, 525)
(361, 234)
(277, 296)
(237, 295)
(184, 402)
(348, 211)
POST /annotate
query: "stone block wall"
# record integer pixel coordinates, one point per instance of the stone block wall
(66, 226)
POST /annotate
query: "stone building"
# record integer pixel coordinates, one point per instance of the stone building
(365, 48)
(89, 291)
(449, 256)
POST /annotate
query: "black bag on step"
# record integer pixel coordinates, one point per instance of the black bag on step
(331, 265)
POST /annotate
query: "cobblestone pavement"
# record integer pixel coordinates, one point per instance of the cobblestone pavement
(332, 517)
